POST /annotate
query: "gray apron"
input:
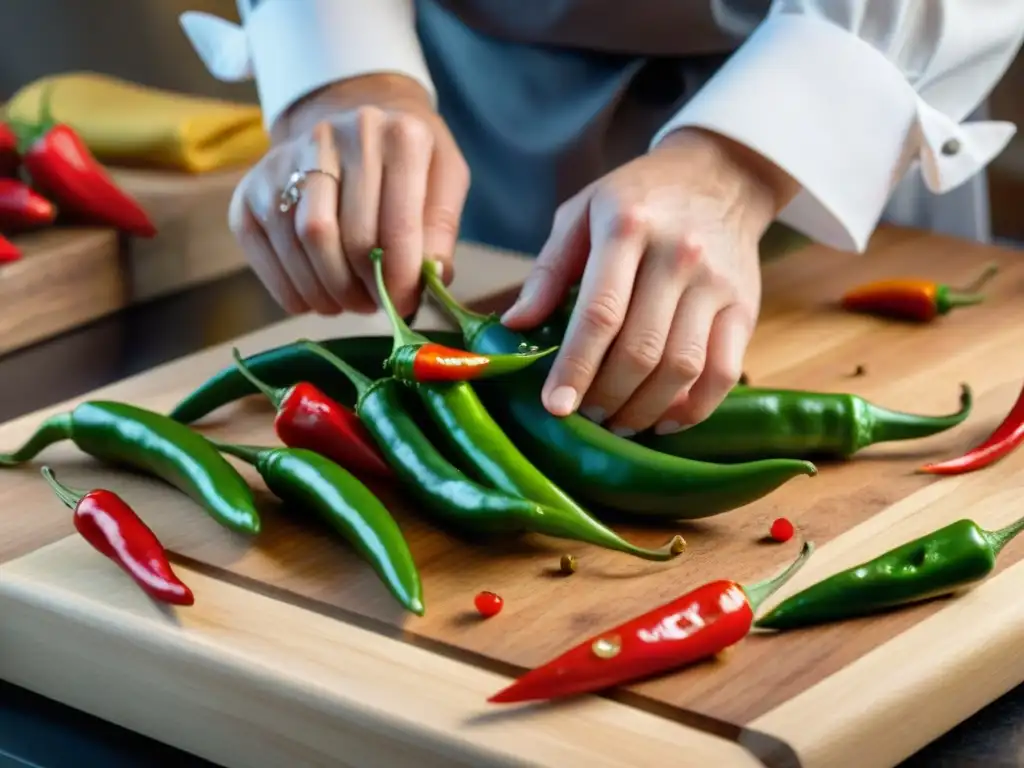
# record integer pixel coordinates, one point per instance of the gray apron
(548, 98)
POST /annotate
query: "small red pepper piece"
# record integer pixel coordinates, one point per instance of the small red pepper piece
(488, 604)
(9, 252)
(308, 418)
(782, 530)
(21, 207)
(9, 157)
(113, 529)
(695, 626)
(914, 299)
(62, 167)
(1006, 438)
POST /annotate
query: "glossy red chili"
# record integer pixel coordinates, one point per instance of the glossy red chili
(914, 299)
(21, 207)
(9, 252)
(113, 529)
(690, 628)
(1005, 439)
(782, 530)
(9, 158)
(308, 418)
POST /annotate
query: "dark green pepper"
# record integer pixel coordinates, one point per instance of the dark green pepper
(593, 464)
(941, 562)
(285, 365)
(475, 438)
(445, 491)
(315, 484)
(753, 423)
(128, 435)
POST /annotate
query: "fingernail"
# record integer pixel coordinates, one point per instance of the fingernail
(595, 413)
(668, 427)
(562, 401)
(623, 431)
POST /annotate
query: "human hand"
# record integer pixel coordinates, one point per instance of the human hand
(667, 246)
(392, 176)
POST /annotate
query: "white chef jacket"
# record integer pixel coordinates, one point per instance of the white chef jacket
(849, 97)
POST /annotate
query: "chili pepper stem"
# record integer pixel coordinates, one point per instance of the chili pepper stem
(274, 395)
(247, 453)
(52, 430)
(762, 590)
(69, 496)
(361, 383)
(979, 282)
(469, 321)
(403, 334)
(1001, 537)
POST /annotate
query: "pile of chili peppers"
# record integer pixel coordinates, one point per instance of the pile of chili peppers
(46, 172)
(455, 421)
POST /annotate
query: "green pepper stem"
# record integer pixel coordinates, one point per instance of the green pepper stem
(69, 496)
(762, 590)
(404, 336)
(53, 430)
(275, 396)
(360, 382)
(979, 282)
(1000, 538)
(887, 426)
(250, 454)
(470, 322)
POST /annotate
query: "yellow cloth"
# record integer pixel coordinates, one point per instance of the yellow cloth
(127, 124)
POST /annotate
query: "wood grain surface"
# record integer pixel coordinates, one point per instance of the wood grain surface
(852, 511)
(66, 278)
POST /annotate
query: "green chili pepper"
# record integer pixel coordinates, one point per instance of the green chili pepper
(754, 423)
(285, 365)
(472, 434)
(951, 558)
(592, 463)
(445, 490)
(126, 434)
(314, 483)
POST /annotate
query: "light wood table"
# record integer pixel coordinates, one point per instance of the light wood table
(294, 655)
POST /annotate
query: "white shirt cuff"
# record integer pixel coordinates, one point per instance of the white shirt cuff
(841, 119)
(294, 47)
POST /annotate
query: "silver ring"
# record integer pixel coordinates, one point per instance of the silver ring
(292, 192)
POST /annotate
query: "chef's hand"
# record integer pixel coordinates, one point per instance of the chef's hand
(667, 246)
(403, 183)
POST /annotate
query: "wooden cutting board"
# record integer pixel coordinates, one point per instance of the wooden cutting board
(294, 654)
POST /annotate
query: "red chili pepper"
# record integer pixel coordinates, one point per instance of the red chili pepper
(9, 158)
(307, 418)
(488, 604)
(9, 252)
(114, 530)
(914, 299)
(62, 167)
(1006, 438)
(782, 530)
(693, 627)
(414, 360)
(21, 207)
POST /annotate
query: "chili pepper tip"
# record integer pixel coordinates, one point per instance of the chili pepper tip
(678, 545)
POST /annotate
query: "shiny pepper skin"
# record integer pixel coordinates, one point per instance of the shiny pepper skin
(488, 604)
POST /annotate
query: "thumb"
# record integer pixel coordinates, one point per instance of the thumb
(559, 264)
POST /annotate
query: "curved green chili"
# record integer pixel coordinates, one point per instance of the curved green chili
(128, 435)
(755, 423)
(938, 563)
(318, 485)
(451, 496)
(472, 434)
(592, 463)
(288, 364)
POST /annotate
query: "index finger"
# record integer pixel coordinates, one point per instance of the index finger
(597, 318)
